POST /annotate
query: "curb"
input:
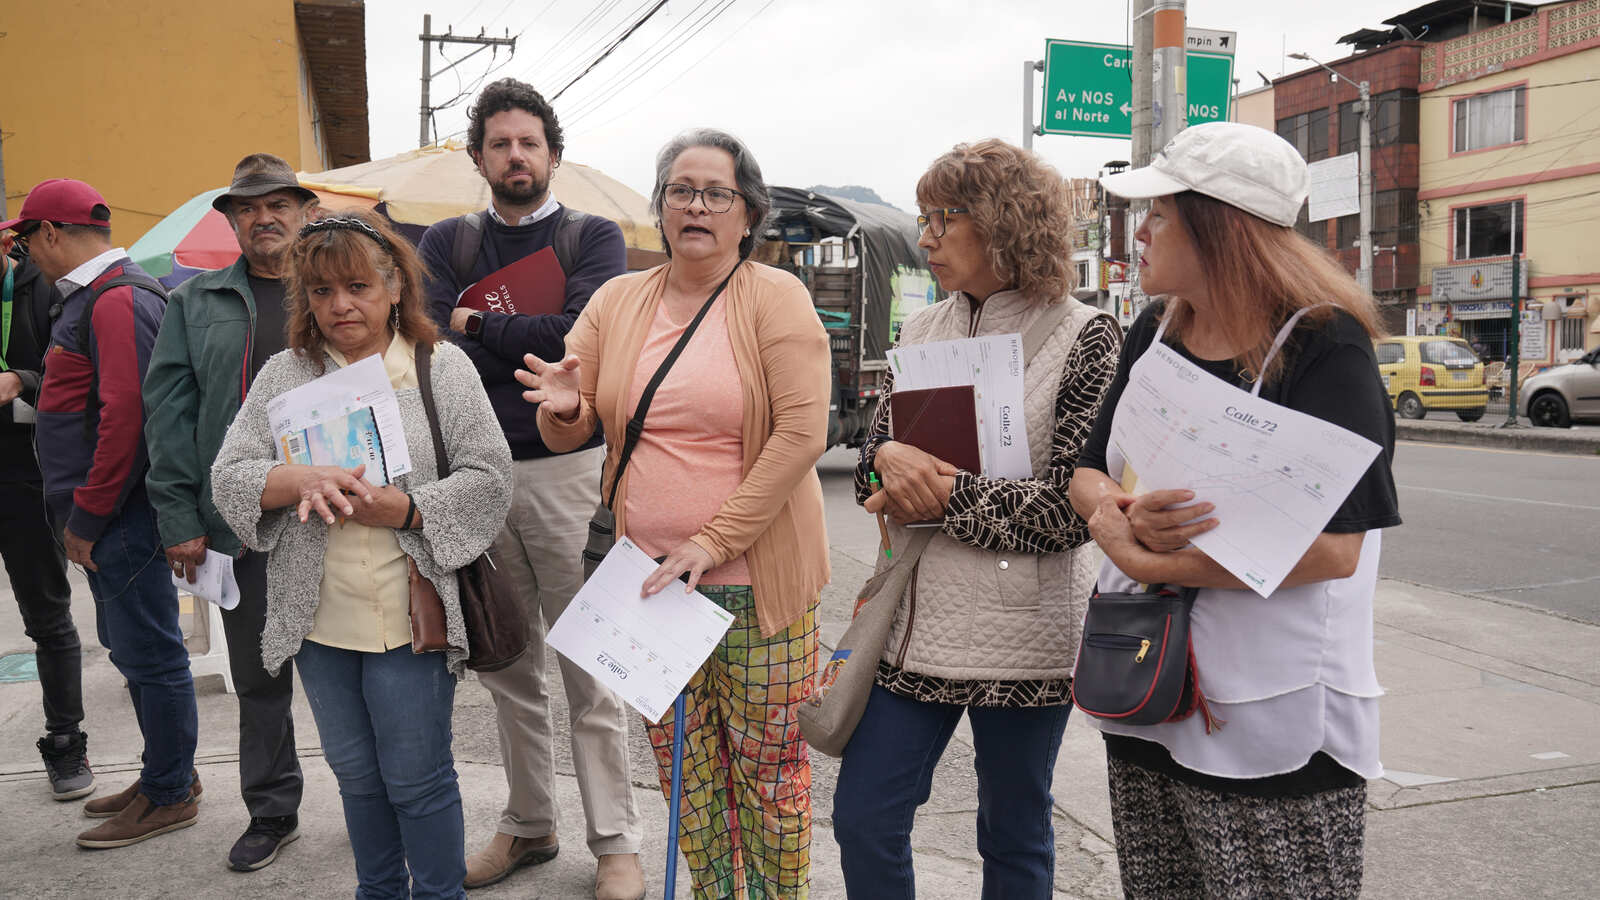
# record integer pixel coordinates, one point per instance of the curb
(1550, 440)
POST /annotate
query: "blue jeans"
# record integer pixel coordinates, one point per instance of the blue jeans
(384, 719)
(136, 618)
(887, 772)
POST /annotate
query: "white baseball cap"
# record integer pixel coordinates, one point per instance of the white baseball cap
(1241, 165)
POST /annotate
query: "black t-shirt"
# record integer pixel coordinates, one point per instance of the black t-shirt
(272, 322)
(1329, 372)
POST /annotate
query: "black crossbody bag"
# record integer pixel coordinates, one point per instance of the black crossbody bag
(603, 524)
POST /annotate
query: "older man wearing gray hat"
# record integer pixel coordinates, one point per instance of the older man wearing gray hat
(219, 329)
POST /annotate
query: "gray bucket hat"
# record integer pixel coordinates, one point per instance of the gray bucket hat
(258, 174)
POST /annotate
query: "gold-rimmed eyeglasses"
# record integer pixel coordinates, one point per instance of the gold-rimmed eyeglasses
(934, 220)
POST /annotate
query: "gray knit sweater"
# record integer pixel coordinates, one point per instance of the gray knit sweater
(461, 514)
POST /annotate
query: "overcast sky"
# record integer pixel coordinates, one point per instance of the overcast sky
(823, 91)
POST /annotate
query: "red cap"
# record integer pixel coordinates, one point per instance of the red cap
(63, 200)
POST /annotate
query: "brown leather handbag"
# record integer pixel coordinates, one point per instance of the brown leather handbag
(497, 626)
(428, 633)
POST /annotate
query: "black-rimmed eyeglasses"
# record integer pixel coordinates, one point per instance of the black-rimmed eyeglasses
(682, 196)
(934, 220)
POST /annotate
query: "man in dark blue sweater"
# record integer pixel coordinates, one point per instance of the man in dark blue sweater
(516, 142)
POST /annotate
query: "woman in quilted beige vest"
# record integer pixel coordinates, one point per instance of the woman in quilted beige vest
(1273, 802)
(989, 622)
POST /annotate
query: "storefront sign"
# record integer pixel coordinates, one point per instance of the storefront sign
(1478, 281)
(1482, 309)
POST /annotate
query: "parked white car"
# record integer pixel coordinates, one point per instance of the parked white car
(1555, 398)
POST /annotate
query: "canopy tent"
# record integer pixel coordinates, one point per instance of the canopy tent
(414, 189)
(420, 187)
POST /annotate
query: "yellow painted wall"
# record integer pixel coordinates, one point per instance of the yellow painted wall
(151, 103)
(1561, 216)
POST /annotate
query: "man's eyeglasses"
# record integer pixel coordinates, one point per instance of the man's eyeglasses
(682, 196)
(934, 220)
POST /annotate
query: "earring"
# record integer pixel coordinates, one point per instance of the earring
(394, 316)
(747, 232)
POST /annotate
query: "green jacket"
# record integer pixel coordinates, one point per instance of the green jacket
(199, 373)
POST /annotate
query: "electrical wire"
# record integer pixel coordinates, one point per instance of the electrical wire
(611, 49)
(669, 45)
(570, 50)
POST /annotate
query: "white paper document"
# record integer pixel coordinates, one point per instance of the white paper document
(992, 364)
(348, 417)
(213, 581)
(1275, 475)
(644, 649)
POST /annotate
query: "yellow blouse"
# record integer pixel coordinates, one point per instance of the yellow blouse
(366, 597)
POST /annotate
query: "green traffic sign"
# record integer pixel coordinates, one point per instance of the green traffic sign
(1088, 88)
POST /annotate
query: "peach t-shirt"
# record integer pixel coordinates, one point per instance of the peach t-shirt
(690, 457)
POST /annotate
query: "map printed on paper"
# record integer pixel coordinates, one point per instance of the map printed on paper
(992, 364)
(1276, 475)
(645, 649)
(348, 417)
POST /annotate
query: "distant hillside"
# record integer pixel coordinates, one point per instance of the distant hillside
(856, 192)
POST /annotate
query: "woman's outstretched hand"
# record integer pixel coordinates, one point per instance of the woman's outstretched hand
(553, 384)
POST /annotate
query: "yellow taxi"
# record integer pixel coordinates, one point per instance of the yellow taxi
(1432, 372)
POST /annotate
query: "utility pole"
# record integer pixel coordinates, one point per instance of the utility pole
(1169, 61)
(1029, 66)
(1142, 84)
(428, 38)
(1516, 341)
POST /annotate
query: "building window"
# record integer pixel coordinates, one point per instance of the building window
(1349, 231)
(1349, 128)
(1308, 132)
(1490, 120)
(1084, 281)
(1395, 117)
(1569, 336)
(1394, 219)
(1492, 230)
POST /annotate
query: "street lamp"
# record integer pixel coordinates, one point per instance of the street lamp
(1364, 107)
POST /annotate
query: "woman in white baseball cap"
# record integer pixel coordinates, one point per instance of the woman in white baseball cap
(1272, 802)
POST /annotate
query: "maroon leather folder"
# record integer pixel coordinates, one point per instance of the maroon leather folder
(941, 421)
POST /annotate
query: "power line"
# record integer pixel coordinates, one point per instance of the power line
(565, 55)
(669, 46)
(690, 67)
(572, 57)
(609, 50)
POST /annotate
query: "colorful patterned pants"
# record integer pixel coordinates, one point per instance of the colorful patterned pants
(745, 822)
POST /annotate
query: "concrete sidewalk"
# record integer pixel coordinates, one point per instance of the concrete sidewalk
(1491, 739)
(1582, 440)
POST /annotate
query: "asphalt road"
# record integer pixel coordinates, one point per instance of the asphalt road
(1517, 526)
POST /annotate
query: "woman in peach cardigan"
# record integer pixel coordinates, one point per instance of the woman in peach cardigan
(722, 486)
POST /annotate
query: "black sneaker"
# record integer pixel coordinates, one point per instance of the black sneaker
(66, 761)
(260, 843)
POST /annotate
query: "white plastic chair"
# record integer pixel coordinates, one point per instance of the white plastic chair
(215, 660)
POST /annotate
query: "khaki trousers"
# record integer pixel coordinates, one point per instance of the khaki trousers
(540, 550)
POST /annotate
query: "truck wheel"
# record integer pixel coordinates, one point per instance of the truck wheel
(1550, 411)
(1469, 415)
(1410, 406)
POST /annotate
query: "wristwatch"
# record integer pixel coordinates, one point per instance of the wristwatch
(474, 326)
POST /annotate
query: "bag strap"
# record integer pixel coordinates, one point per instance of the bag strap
(1033, 339)
(636, 424)
(464, 249)
(905, 562)
(568, 232)
(425, 384)
(81, 332)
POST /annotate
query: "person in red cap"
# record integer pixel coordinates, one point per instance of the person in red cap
(34, 560)
(90, 442)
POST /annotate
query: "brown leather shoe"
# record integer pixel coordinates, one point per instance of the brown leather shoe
(106, 807)
(505, 854)
(618, 876)
(139, 821)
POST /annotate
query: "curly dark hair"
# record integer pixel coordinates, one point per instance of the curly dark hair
(332, 254)
(509, 93)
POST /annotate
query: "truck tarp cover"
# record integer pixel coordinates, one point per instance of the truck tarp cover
(889, 238)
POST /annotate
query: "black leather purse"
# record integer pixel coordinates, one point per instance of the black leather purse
(1136, 661)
